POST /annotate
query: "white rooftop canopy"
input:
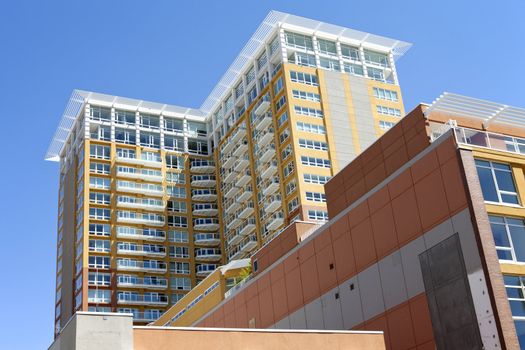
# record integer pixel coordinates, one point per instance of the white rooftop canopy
(486, 111)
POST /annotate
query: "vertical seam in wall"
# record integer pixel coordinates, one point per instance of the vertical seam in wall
(351, 114)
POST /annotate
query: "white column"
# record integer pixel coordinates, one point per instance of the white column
(393, 67)
(362, 57)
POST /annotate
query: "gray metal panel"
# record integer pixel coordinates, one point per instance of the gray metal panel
(363, 112)
(283, 324)
(392, 280)
(298, 319)
(370, 290)
(314, 315)
(411, 267)
(336, 103)
(439, 233)
(331, 303)
(351, 306)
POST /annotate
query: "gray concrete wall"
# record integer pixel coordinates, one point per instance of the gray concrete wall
(363, 112)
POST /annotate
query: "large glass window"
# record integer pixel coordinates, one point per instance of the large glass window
(149, 121)
(125, 117)
(376, 58)
(497, 182)
(509, 237)
(350, 52)
(515, 287)
(326, 47)
(299, 41)
(100, 113)
(125, 136)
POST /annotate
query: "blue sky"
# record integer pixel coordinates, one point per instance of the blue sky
(175, 52)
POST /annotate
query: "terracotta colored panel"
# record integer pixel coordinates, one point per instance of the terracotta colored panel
(344, 258)
(355, 192)
(309, 279)
(280, 306)
(421, 319)
(364, 247)
(263, 282)
(405, 209)
(400, 326)
(396, 160)
(240, 298)
(218, 315)
(374, 177)
(395, 147)
(337, 205)
(427, 346)
(400, 184)
(291, 262)
(358, 214)
(288, 242)
(266, 308)
(220, 323)
(446, 150)
(424, 166)
(379, 324)
(294, 290)
(275, 252)
(277, 273)
(339, 227)
(229, 307)
(378, 199)
(241, 318)
(384, 229)
(263, 261)
(417, 144)
(431, 200)
(306, 251)
(229, 320)
(454, 185)
(252, 311)
(326, 269)
(322, 240)
(391, 136)
(370, 161)
(251, 291)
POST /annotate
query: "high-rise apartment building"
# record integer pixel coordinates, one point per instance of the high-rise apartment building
(154, 197)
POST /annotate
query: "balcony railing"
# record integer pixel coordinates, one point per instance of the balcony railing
(145, 234)
(152, 162)
(205, 209)
(203, 180)
(126, 281)
(237, 134)
(205, 269)
(267, 153)
(140, 203)
(142, 188)
(485, 139)
(263, 121)
(142, 250)
(248, 243)
(202, 166)
(242, 163)
(143, 174)
(275, 220)
(140, 218)
(206, 224)
(207, 254)
(144, 266)
(241, 148)
(206, 239)
(204, 195)
(140, 299)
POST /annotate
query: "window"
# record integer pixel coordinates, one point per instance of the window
(173, 125)
(126, 136)
(125, 117)
(99, 213)
(197, 129)
(126, 153)
(98, 168)
(378, 58)
(99, 182)
(286, 152)
(293, 204)
(299, 41)
(509, 237)
(384, 125)
(318, 162)
(278, 86)
(174, 143)
(180, 283)
(290, 187)
(100, 113)
(307, 111)
(177, 221)
(179, 252)
(149, 139)
(239, 91)
(99, 152)
(99, 262)
(284, 136)
(274, 45)
(177, 206)
(303, 59)
(180, 267)
(99, 245)
(395, 112)
(280, 103)
(282, 119)
(376, 74)
(316, 179)
(177, 192)
(99, 295)
(316, 197)
(309, 96)
(329, 64)
(313, 128)
(304, 78)
(311, 144)
(497, 182)
(317, 215)
(355, 69)
(288, 169)
(99, 279)
(197, 146)
(385, 94)
(149, 121)
(174, 162)
(515, 287)
(350, 52)
(326, 47)
(250, 76)
(178, 236)
(99, 198)
(99, 229)
(178, 178)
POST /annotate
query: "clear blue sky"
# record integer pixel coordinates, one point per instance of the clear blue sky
(175, 52)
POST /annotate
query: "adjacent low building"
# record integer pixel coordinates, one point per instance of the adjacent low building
(425, 240)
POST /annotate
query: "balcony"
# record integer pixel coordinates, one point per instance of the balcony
(237, 134)
(235, 238)
(242, 163)
(234, 223)
(263, 122)
(271, 187)
(269, 170)
(227, 147)
(273, 204)
(145, 317)
(147, 176)
(275, 221)
(262, 107)
(247, 227)
(206, 224)
(248, 244)
(201, 166)
(245, 195)
(241, 149)
(229, 161)
(141, 219)
(141, 266)
(206, 239)
(265, 138)
(155, 163)
(141, 250)
(142, 283)
(233, 207)
(203, 181)
(232, 191)
(146, 234)
(204, 195)
(140, 203)
(207, 254)
(206, 209)
(229, 176)
(235, 254)
(205, 269)
(267, 153)
(245, 178)
(139, 299)
(247, 211)
(141, 188)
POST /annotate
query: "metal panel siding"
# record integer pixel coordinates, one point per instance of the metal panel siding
(337, 104)
(314, 315)
(331, 302)
(392, 280)
(371, 292)
(363, 111)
